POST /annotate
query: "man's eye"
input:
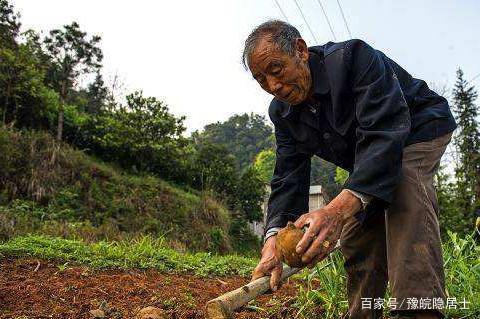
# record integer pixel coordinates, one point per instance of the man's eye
(276, 71)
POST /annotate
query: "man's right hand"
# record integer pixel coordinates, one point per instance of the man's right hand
(269, 264)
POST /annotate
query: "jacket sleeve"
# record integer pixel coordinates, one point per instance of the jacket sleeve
(383, 123)
(290, 183)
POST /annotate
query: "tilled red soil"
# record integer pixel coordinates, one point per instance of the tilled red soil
(40, 289)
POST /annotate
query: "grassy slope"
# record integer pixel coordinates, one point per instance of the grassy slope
(60, 191)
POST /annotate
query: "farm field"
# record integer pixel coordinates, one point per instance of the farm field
(46, 277)
(33, 288)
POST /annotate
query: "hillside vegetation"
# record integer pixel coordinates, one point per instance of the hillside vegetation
(50, 188)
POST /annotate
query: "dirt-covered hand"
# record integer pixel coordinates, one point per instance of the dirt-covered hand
(269, 264)
(325, 226)
(324, 229)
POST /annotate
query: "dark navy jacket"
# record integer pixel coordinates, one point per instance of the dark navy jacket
(367, 109)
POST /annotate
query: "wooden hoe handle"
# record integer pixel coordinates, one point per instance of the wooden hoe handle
(223, 307)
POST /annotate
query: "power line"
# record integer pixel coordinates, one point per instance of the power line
(474, 78)
(344, 19)
(281, 11)
(326, 17)
(304, 19)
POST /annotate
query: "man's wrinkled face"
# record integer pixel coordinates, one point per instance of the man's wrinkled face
(286, 77)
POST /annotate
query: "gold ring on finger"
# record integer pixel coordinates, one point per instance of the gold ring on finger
(326, 243)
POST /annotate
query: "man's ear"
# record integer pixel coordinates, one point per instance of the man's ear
(301, 49)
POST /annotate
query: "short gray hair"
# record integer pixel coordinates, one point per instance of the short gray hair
(281, 33)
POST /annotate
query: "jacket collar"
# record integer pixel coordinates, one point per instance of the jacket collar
(319, 81)
(319, 73)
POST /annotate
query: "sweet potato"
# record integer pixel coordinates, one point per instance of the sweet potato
(285, 244)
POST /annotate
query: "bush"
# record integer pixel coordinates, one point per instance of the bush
(141, 136)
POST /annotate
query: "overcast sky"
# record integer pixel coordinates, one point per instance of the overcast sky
(188, 52)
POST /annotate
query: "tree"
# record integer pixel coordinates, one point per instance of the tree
(341, 175)
(96, 95)
(9, 25)
(93, 99)
(21, 83)
(9, 30)
(23, 94)
(250, 194)
(467, 143)
(265, 164)
(72, 54)
(244, 136)
(323, 173)
(215, 171)
(450, 217)
(142, 135)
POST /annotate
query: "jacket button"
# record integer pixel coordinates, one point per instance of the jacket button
(326, 136)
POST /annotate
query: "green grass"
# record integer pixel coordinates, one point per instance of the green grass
(462, 266)
(462, 270)
(330, 296)
(145, 252)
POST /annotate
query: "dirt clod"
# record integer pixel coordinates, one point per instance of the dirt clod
(151, 313)
(97, 313)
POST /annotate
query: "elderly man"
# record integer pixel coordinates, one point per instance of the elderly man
(353, 106)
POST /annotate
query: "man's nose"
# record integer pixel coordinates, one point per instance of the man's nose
(273, 84)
